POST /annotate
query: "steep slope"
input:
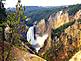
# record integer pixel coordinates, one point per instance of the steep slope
(41, 26)
(21, 55)
(17, 53)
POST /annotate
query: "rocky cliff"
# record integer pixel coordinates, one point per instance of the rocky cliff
(58, 19)
(64, 38)
(44, 28)
(78, 15)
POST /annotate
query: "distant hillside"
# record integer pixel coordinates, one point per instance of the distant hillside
(44, 13)
(74, 8)
(28, 8)
(36, 13)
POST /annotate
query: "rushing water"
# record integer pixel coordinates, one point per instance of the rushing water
(38, 42)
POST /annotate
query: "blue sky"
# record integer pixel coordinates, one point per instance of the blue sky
(12, 3)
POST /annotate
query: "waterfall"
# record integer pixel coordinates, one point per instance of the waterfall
(37, 42)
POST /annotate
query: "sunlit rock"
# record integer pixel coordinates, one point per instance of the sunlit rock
(78, 15)
(58, 19)
(7, 32)
(7, 29)
(76, 57)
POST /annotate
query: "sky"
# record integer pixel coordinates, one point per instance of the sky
(12, 3)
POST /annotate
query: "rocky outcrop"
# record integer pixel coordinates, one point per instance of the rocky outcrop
(75, 32)
(41, 26)
(58, 19)
(78, 15)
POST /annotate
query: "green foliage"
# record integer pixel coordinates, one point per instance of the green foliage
(2, 0)
(61, 29)
(0, 29)
(53, 52)
(74, 8)
(13, 20)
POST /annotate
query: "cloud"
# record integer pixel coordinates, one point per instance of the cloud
(12, 3)
(52, 2)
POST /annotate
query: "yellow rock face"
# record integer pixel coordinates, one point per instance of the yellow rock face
(78, 15)
(59, 19)
(76, 57)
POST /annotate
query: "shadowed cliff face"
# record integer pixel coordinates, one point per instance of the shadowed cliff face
(25, 56)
